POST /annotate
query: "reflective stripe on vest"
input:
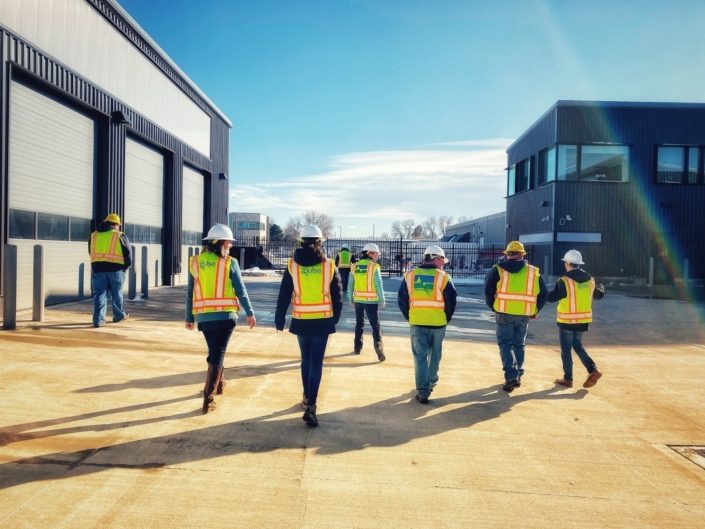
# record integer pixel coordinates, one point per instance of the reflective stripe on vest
(364, 280)
(212, 286)
(106, 247)
(311, 297)
(344, 259)
(517, 292)
(576, 307)
(426, 303)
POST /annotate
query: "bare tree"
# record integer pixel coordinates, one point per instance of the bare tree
(324, 222)
(293, 228)
(403, 229)
(430, 228)
(443, 222)
(463, 218)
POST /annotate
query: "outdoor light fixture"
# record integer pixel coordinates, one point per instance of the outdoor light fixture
(120, 118)
(544, 204)
(223, 176)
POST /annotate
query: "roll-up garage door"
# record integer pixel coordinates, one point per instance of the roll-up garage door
(192, 218)
(144, 197)
(50, 193)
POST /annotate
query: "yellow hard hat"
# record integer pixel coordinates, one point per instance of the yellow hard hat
(113, 218)
(515, 246)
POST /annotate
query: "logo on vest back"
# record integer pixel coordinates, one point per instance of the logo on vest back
(424, 283)
(361, 269)
(310, 270)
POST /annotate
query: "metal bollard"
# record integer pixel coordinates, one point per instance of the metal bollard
(132, 278)
(242, 258)
(81, 280)
(156, 273)
(38, 284)
(145, 273)
(651, 271)
(9, 306)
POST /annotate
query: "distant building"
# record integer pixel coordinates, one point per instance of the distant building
(249, 227)
(485, 231)
(621, 182)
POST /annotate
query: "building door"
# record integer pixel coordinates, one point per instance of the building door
(192, 227)
(50, 193)
(144, 209)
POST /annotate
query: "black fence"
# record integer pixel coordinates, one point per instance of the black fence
(465, 260)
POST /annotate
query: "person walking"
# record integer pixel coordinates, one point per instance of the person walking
(311, 284)
(214, 296)
(111, 256)
(574, 293)
(366, 292)
(516, 292)
(427, 299)
(344, 260)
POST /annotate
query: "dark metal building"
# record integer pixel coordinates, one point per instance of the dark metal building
(96, 118)
(621, 182)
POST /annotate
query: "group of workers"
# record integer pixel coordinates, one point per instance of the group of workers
(317, 286)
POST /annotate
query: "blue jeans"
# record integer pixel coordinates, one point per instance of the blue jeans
(573, 339)
(511, 338)
(372, 311)
(103, 282)
(427, 346)
(313, 348)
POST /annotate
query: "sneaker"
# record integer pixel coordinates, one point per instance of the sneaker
(564, 382)
(592, 379)
(510, 385)
(122, 319)
(310, 416)
(422, 400)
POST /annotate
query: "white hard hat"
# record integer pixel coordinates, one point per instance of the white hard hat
(435, 251)
(219, 232)
(370, 247)
(311, 232)
(574, 257)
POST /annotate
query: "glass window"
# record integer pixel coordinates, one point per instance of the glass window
(523, 175)
(192, 238)
(671, 163)
(22, 224)
(52, 227)
(511, 180)
(604, 163)
(547, 165)
(567, 162)
(80, 229)
(693, 160)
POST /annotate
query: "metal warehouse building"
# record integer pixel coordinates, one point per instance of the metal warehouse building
(95, 118)
(621, 182)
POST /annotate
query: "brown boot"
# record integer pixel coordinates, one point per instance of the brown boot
(221, 383)
(592, 379)
(214, 374)
(564, 382)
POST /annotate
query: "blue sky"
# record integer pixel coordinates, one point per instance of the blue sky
(379, 110)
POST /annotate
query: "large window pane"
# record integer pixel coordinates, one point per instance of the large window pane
(523, 175)
(80, 229)
(567, 162)
(693, 160)
(671, 163)
(511, 180)
(604, 163)
(550, 165)
(52, 227)
(22, 224)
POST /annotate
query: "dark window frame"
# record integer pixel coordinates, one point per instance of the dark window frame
(579, 160)
(685, 171)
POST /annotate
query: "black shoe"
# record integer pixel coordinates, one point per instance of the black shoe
(380, 353)
(310, 416)
(511, 385)
(422, 400)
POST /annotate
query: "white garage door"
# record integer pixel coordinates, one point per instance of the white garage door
(144, 197)
(192, 218)
(51, 173)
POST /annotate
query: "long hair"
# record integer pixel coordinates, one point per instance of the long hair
(217, 248)
(314, 245)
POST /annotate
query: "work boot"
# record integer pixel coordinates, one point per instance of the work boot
(212, 377)
(221, 383)
(310, 416)
(564, 382)
(592, 379)
(380, 352)
(510, 385)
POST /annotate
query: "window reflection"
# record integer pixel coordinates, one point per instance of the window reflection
(604, 163)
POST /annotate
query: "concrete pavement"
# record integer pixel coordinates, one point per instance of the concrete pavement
(102, 427)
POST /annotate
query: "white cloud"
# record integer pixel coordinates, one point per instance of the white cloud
(378, 187)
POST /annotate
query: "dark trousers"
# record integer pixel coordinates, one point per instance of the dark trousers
(217, 335)
(313, 348)
(371, 309)
(344, 275)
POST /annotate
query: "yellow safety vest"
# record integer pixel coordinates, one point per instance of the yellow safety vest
(212, 287)
(516, 293)
(364, 280)
(576, 307)
(426, 303)
(311, 297)
(344, 259)
(106, 247)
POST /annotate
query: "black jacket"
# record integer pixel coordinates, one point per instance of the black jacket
(450, 296)
(317, 327)
(126, 252)
(512, 266)
(559, 292)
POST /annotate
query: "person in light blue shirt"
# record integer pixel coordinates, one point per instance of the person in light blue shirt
(365, 290)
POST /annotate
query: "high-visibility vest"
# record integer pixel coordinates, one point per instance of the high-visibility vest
(426, 303)
(344, 259)
(212, 287)
(364, 281)
(311, 297)
(106, 247)
(576, 307)
(517, 292)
